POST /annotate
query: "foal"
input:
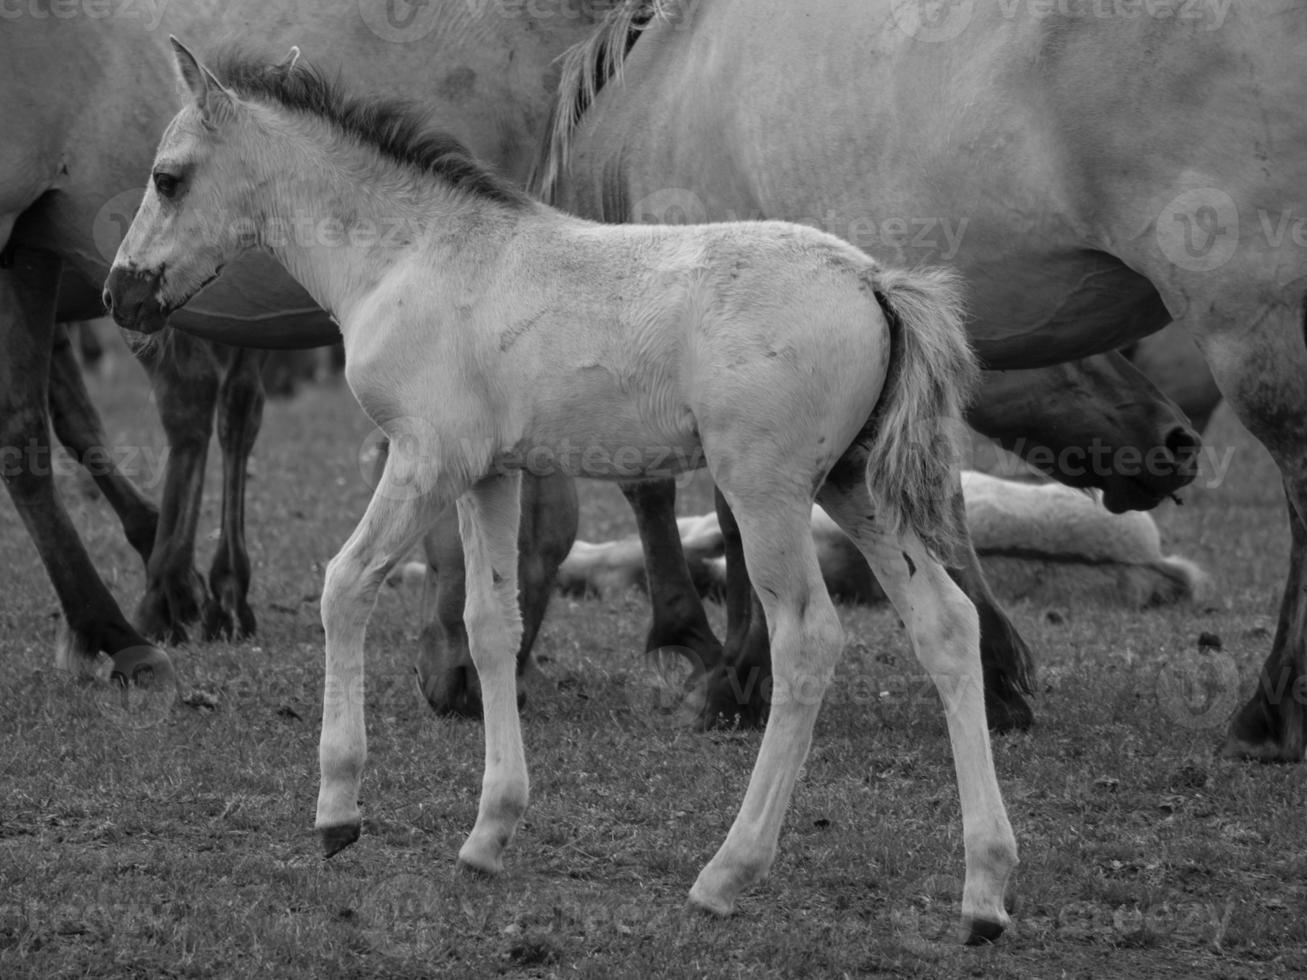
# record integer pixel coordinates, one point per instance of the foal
(487, 333)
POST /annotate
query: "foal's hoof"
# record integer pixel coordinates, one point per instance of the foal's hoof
(700, 898)
(1256, 735)
(982, 932)
(336, 838)
(144, 667)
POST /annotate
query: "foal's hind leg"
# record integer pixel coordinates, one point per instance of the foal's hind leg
(806, 641)
(227, 610)
(405, 503)
(945, 636)
(488, 520)
(78, 426)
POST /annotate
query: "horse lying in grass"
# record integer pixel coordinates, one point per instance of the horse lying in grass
(1114, 174)
(1042, 541)
(502, 332)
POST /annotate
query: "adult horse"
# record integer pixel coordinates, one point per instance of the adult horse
(1114, 173)
(84, 101)
(500, 334)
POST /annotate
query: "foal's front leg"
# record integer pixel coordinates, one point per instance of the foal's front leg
(488, 517)
(404, 505)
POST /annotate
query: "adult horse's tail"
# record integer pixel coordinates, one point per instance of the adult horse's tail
(932, 372)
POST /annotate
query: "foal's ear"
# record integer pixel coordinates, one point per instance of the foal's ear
(210, 95)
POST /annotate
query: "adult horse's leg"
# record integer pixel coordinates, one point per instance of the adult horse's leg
(445, 671)
(944, 630)
(29, 281)
(77, 425)
(227, 612)
(404, 505)
(737, 689)
(1262, 370)
(185, 381)
(679, 621)
(488, 522)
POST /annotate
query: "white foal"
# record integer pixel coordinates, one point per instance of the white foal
(486, 333)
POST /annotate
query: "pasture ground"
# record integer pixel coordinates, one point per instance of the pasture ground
(185, 848)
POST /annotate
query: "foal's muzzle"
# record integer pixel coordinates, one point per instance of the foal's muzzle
(132, 296)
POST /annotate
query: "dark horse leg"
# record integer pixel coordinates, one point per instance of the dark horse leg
(184, 376)
(445, 673)
(227, 612)
(679, 621)
(77, 425)
(737, 687)
(29, 282)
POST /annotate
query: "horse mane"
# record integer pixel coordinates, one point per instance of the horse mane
(587, 68)
(397, 130)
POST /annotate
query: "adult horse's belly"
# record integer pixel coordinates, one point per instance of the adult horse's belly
(1033, 311)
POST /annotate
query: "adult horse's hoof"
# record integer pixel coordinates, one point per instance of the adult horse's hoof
(335, 839)
(221, 624)
(727, 703)
(981, 932)
(1255, 736)
(144, 667)
(167, 606)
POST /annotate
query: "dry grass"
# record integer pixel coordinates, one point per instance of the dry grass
(186, 848)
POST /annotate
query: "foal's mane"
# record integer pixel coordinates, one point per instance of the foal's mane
(587, 68)
(398, 131)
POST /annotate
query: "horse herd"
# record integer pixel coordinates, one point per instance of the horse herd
(486, 332)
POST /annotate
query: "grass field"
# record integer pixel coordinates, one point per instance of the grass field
(185, 848)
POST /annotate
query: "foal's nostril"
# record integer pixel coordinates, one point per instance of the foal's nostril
(1184, 445)
(107, 298)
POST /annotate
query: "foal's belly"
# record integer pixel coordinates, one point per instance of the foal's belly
(610, 447)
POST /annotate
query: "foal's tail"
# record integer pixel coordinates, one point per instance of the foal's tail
(932, 372)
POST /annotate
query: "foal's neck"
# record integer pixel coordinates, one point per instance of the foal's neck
(339, 216)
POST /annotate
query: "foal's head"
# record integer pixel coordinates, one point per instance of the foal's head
(195, 216)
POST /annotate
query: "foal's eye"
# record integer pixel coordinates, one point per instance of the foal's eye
(165, 184)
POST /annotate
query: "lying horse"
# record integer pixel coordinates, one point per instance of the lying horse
(500, 333)
(1037, 541)
(1114, 174)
